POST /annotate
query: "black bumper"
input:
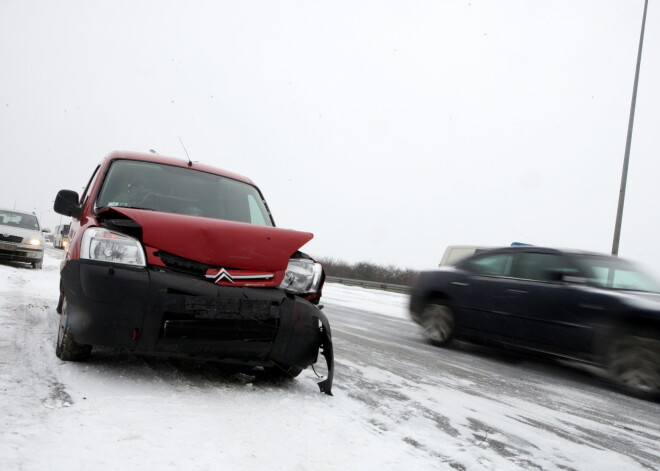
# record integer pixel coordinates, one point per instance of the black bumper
(12, 254)
(156, 312)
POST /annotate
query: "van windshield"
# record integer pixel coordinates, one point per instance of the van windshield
(170, 189)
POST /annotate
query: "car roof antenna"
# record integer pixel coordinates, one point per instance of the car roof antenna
(184, 149)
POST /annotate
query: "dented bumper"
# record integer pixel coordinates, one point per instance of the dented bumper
(165, 313)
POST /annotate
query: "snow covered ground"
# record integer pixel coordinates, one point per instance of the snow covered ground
(124, 412)
(135, 413)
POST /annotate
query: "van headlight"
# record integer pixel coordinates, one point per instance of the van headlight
(108, 246)
(302, 276)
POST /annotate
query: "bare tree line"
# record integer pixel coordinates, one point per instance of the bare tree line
(368, 271)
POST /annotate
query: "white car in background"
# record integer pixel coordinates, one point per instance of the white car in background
(21, 238)
(455, 253)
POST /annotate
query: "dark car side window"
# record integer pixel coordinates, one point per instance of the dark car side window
(536, 266)
(540, 266)
(491, 265)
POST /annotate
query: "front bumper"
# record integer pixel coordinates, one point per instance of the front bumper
(20, 253)
(157, 312)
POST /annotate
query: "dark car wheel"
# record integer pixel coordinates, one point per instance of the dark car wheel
(634, 364)
(438, 323)
(38, 264)
(68, 349)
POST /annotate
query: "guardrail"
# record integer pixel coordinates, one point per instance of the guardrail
(370, 284)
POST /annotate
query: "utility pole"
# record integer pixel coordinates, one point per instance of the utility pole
(626, 156)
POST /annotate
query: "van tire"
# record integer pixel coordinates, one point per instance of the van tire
(68, 349)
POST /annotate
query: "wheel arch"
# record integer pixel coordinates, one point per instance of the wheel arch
(419, 301)
(437, 297)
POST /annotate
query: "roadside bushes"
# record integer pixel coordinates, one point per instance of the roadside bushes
(367, 271)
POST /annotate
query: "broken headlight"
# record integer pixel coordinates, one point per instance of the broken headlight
(108, 246)
(302, 276)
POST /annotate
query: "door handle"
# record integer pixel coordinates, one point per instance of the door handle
(517, 291)
(458, 283)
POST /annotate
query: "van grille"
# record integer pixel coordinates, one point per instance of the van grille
(183, 265)
(219, 319)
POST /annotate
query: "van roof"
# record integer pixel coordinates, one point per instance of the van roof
(177, 162)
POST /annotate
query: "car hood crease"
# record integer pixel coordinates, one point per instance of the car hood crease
(218, 242)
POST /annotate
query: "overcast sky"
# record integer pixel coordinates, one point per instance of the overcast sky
(389, 129)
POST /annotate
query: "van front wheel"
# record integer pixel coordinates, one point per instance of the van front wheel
(68, 349)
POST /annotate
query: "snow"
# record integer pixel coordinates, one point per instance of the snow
(385, 303)
(120, 411)
(135, 413)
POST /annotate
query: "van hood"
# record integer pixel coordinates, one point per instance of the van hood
(217, 242)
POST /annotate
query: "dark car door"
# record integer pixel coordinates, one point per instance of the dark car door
(552, 315)
(518, 298)
(486, 301)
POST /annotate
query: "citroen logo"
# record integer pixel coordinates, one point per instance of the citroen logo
(223, 275)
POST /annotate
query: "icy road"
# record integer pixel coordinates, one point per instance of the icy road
(398, 403)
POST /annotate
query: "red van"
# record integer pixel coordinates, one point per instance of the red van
(180, 259)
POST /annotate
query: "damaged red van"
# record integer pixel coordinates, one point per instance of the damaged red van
(180, 259)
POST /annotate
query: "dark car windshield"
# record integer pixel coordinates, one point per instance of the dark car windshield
(614, 273)
(170, 189)
(25, 221)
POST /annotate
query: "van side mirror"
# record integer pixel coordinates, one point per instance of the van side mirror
(66, 204)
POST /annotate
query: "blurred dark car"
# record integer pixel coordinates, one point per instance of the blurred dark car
(560, 304)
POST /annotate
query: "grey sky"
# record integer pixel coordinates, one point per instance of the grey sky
(389, 129)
